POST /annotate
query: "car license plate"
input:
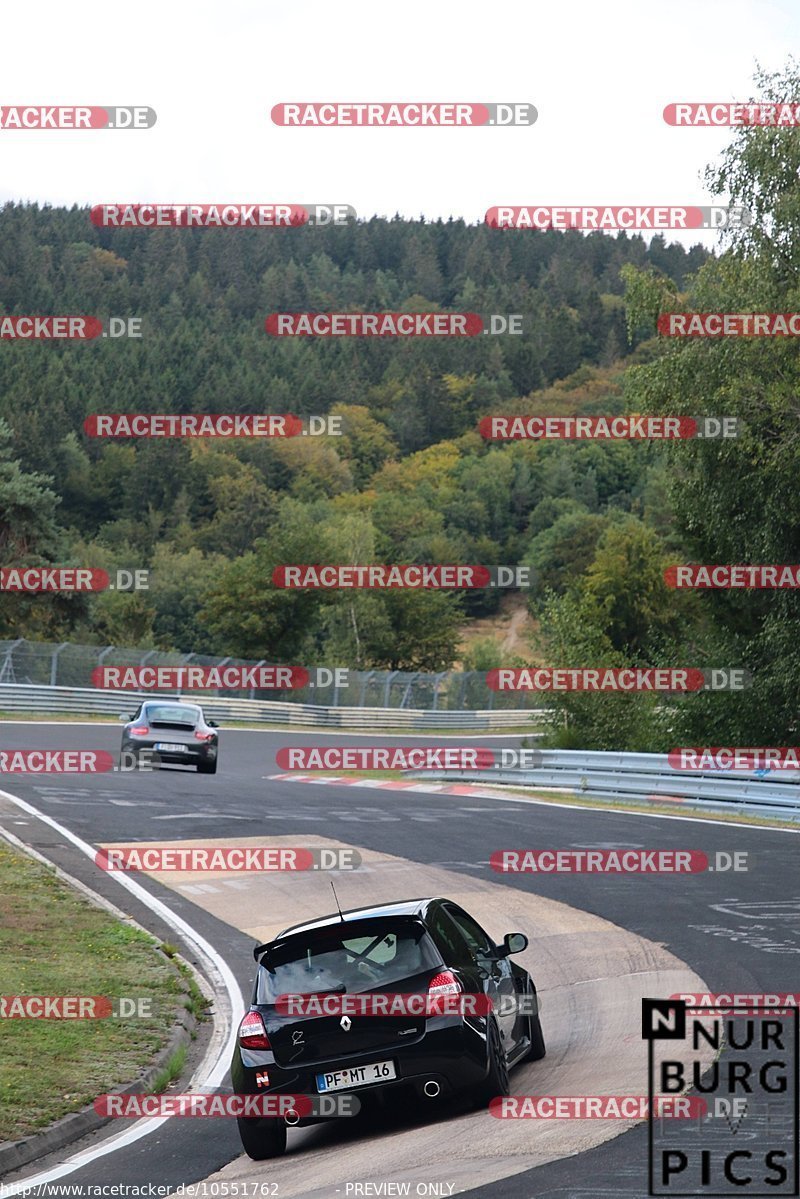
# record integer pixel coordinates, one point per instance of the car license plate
(167, 748)
(356, 1076)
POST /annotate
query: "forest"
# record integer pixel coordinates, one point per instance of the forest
(410, 479)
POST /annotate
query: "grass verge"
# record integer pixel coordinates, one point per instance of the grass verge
(53, 941)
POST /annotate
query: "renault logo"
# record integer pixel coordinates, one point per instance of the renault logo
(346, 1023)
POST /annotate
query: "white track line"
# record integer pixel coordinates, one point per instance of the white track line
(211, 1075)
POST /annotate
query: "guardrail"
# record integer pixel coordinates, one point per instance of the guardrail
(599, 774)
(88, 701)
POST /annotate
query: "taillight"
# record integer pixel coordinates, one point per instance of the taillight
(203, 736)
(444, 983)
(252, 1034)
(441, 985)
(141, 730)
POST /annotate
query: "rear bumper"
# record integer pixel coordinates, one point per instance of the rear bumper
(453, 1056)
(187, 756)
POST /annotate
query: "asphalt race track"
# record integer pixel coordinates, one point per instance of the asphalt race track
(598, 943)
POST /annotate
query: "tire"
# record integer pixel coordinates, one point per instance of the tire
(497, 1080)
(262, 1138)
(207, 767)
(126, 754)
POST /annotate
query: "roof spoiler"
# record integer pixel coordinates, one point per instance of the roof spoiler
(259, 949)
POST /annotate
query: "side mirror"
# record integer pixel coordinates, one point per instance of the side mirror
(125, 719)
(212, 724)
(513, 943)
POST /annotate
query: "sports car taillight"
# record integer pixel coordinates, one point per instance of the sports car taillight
(141, 730)
(203, 736)
(252, 1034)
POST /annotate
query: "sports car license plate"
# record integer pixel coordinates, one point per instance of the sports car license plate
(356, 1076)
(167, 747)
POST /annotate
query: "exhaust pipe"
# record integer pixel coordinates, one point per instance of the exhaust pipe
(292, 1118)
(431, 1088)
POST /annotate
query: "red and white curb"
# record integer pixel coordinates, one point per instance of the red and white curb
(453, 788)
(388, 784)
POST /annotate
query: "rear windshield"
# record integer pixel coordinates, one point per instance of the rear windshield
(352, 956)
(173, 715)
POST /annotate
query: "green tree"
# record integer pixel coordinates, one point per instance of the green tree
(625, 583)
(422, 633)
(27, 508)
(571, 634)
(365, 443)
(30, 536)
(736, 499)
(248, 616)
(561, 553)
(179, 585)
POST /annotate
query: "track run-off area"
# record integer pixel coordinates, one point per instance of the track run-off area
(599, 943)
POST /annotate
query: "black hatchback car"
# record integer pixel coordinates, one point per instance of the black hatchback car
(422, 949)
(171, 731)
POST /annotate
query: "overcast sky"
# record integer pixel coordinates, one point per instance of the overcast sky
(598, 72)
